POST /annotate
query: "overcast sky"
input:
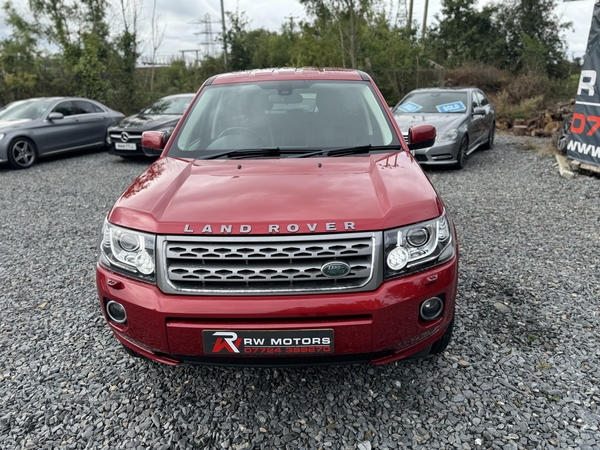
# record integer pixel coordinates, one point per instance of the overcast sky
(177, 17)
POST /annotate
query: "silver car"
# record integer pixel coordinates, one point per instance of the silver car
(464, 120)
(38, 127)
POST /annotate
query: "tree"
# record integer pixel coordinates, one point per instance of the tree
(240, 52)
(19, 59)
(391, 52)
(158, 35)
(80, 30)
(125, 95)
(350, 18)
(532, 32)
(465, 35)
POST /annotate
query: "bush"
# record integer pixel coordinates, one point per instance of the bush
(489, 79)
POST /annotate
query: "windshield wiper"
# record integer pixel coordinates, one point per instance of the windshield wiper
(250, 152)
(343, 151)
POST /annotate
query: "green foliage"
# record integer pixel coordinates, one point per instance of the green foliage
(19, 59)
(533, 34)
(240, 49)
(89, 69)
(465, 35)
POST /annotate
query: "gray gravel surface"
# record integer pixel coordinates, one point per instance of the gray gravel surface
(522, 371)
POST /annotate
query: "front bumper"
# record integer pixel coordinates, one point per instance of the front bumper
(132, 137)
(137, 152)
(440, 154)
(380, 326)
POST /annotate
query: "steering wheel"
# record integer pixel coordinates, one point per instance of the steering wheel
(239, 130)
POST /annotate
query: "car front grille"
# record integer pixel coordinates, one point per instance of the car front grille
(117, 136)
(257, 265)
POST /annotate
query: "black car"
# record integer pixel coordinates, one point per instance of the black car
(125, 138)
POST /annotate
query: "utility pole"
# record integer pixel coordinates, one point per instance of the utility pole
(410, 11)
(224, 35)
(424, 22)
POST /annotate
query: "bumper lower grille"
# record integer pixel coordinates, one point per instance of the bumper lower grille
(282, 264)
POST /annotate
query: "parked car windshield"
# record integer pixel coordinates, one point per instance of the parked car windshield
(170, 105)
(284, 115)
(25, 109)
(433, 102)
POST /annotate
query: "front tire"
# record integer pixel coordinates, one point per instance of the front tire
(22, 154)
(461, 157)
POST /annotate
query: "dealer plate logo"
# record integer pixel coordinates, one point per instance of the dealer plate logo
(268, 342)
(335, 269)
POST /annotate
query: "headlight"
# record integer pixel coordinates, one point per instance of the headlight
(450, 135)
(128, 252)
(419, 246)
(2, 136)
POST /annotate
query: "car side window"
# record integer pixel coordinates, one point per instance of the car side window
(66, 109)
(482, 99)
(474, 101)
(87, 107)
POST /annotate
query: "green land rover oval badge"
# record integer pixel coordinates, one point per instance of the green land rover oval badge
(335, 269)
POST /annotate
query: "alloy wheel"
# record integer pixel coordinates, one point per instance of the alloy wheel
(22, 154)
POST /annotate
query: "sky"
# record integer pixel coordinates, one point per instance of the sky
(183, 31)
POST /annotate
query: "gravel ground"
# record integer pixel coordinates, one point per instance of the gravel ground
(523, 369)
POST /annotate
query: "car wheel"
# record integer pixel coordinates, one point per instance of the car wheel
(490, 142)
(563, 134)
(442, 343)
(22, 154)
(461, 157)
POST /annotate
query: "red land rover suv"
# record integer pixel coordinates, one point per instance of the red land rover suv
(285, 223)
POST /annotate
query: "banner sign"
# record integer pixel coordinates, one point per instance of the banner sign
(584, 139)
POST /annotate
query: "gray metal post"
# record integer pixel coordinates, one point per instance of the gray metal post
(224, 36)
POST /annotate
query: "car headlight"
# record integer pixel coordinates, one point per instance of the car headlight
(128, 252)
(418, 247)
(2, 136)
(449, 135)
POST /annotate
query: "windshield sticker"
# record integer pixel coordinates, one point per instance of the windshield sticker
(409, 107)
(451, 107)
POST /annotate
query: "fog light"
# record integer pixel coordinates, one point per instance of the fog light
(431, 309)
(116, 312)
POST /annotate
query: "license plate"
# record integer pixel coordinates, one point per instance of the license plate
(121, 146)
(268, 343)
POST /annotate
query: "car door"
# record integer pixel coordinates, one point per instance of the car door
(66, 133)
(477, 122)
(93, 119)
(489, 114)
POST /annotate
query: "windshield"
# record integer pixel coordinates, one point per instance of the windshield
(176, 104)
(433, 102)
(298, 115)
(25, 109)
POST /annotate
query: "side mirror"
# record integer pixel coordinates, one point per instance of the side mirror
(421, 136)
(479, 112)
(55, 116)
(153, 142)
